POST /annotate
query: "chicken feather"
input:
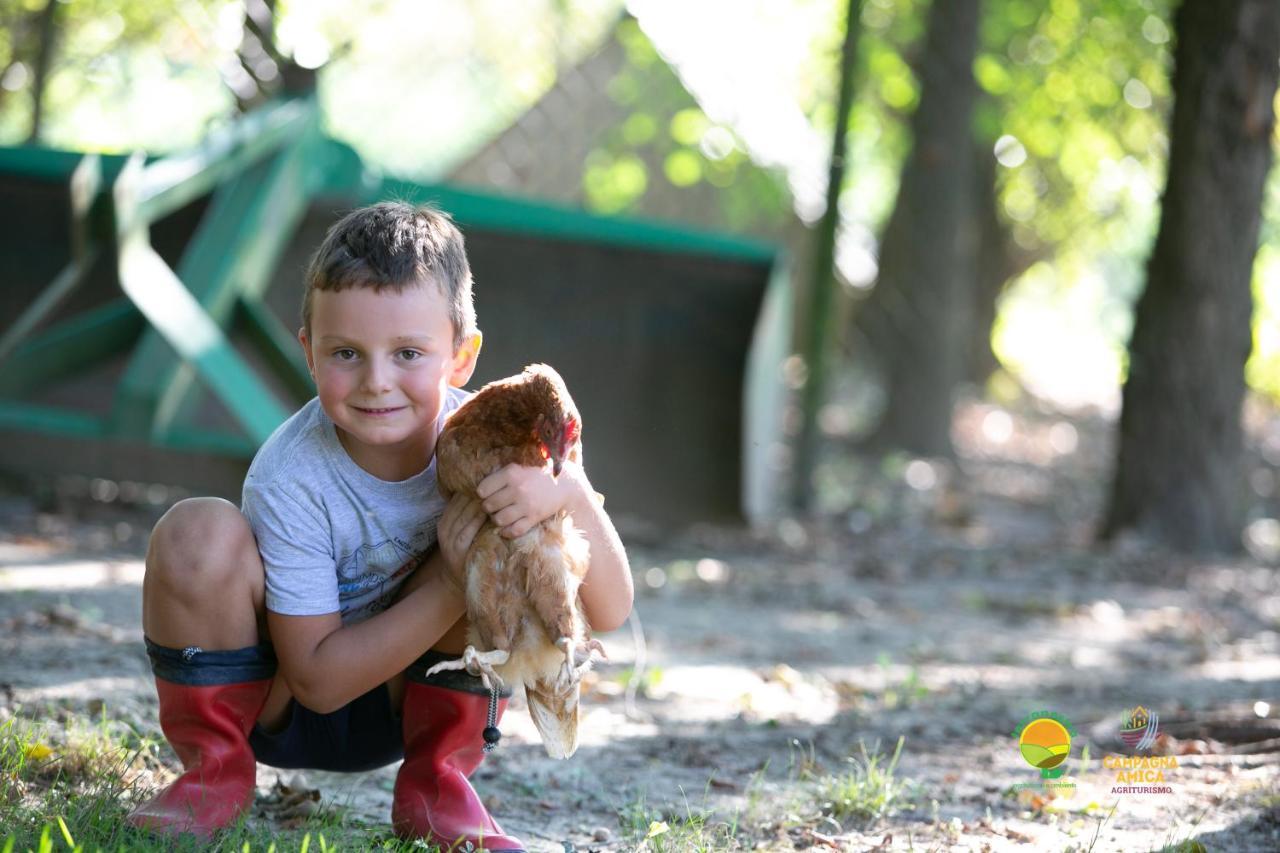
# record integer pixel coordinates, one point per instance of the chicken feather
(526, 621)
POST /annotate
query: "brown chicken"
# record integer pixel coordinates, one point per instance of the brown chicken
(526, 623)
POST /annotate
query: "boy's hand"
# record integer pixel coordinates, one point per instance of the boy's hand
(461, 521)
(519, 497)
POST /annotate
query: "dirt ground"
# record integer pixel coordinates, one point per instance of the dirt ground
(937, 606)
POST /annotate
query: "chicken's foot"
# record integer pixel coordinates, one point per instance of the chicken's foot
(479, 664)
(572, 671)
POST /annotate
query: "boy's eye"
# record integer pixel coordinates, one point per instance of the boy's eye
(344, 354)
(410, 354)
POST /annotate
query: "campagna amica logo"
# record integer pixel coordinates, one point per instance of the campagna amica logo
(1140, 774)
(1139, 727)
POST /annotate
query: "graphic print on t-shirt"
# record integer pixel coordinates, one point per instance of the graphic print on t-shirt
(369, 577)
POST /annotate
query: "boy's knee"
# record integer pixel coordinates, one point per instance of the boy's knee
(203, 538)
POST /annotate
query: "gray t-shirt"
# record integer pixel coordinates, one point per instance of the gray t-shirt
(333, 537)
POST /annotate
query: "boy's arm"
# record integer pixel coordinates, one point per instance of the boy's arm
(607, 593)
(327, 665)
(517, 497)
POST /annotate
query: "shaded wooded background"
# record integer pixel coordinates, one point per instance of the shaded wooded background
(1067, 201)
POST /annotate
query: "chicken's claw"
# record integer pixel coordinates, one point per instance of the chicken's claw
(479, 664)
(592, 645)
(571, 671)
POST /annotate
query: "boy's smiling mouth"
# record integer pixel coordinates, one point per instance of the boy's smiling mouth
(377, 412)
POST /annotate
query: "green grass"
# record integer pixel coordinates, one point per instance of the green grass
(693, 831)
(865, 793)
(903, 693)
(71, 788)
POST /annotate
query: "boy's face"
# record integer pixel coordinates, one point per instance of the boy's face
(383, 363)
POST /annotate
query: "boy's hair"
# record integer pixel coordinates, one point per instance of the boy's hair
(395, 245)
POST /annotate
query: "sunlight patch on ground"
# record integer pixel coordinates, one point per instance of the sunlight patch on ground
(1239, 670)
(111, 689)
(71, 574)
(711, 693)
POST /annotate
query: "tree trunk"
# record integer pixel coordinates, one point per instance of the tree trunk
(822, 285)
(926, 274)
(1178, 469)
(44, 60)
(993, 266)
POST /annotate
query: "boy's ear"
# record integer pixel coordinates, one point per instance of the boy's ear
(306, 350)
(464, 360)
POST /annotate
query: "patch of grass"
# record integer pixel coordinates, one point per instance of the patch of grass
(903, 693)
(1097, 830)
(868, 791)
(802, 760)
(75, 786)
(645, 681)
(1176, 842)
(694, 831)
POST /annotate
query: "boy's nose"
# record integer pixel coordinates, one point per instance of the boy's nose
(377, 378)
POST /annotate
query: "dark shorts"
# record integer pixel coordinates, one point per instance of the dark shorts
(364, 734)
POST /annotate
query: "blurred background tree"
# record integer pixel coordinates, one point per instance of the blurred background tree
(1179, 465)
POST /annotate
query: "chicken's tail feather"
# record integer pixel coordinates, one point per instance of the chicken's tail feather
(555, 715)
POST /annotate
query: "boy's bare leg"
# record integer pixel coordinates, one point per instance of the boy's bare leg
(205, 586)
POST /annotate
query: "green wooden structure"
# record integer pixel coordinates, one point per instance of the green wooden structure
(148, 316)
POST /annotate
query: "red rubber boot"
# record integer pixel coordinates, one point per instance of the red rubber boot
(209, 729)
(443, 745)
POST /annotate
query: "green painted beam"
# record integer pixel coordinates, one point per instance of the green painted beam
(19, 416)
(232, 255)
(45, 304)
(174, 181)
(519, 216)
(64, 349)
(171, 309)
(278, 346)
(342, 172)
(86, 183)
(50, 164)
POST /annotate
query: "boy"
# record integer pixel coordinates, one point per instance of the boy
(331, 566)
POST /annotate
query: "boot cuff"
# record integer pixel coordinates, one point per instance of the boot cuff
(451, 679)
(195, 667)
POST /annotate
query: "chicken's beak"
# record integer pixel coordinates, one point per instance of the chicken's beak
(557, 463)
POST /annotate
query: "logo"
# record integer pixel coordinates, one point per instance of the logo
(1044, 739)
(1139, 728)
(1140, 774)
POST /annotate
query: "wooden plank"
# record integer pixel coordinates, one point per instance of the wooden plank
(258, 236)
(15, 415)
(178, 179)
(86, 182)
(528, 218)
(66, 348)
(172, 311)
(278, 346)
(232, 255)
